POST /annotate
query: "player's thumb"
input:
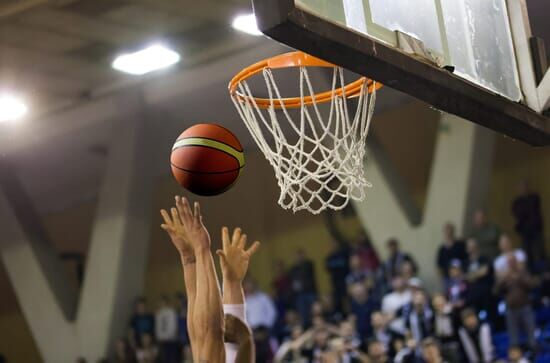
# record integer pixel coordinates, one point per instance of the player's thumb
(222, 256)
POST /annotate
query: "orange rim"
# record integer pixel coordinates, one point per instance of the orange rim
(291, 60)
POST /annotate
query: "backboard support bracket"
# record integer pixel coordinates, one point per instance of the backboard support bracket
(283, 21)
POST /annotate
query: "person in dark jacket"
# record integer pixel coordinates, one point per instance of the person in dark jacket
(304, 286)
(526, 209)
(337, 264)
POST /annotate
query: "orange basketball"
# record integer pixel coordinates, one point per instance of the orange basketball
(207, 159)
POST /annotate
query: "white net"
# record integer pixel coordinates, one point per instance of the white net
(317, 152)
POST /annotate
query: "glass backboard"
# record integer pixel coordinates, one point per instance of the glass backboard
(472, 66)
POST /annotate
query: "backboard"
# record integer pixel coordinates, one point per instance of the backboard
(470, 58)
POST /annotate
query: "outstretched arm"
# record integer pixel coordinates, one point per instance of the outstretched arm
(234, 261)
(173, 226)
(207, 319)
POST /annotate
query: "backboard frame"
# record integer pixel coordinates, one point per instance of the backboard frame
(283, 21)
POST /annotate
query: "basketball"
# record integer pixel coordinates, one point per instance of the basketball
(207, 159)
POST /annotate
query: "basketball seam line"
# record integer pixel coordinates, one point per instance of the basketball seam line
(213, 148)
(206, 172)
(209, 138)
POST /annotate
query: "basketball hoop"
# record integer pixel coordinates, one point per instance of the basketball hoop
(318, 154)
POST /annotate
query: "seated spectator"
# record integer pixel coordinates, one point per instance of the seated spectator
(451, 249)
(431, 352)
(260, 310)
(377, 353)
(392, 265)
(166, 331)
(475, 338)
(290, 321)
(479, 277)
(123, 352)
(148, 351)
(142, 321)
(367, 254)
(331, 314)
(183, 335)
(337, 265)
(486, 234)
(515, 355)
(457, 288)
(263, 349)
(419, 317)
(319, 346)
(515, 285)
(394, 301)
(341, 351)
(383, 333)
(357, 274)
(506, 249)
(362, 307)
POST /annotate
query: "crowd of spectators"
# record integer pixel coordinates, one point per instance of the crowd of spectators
(381, 310)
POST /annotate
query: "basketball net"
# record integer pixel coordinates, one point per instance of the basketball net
(318, 155)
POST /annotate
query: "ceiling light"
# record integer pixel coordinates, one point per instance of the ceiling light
(11, 108)
(247, 24)
(146, 60)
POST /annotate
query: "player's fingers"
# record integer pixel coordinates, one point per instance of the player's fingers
(165, 216)
(236, 236)
(198, 216)
(242, 241)
(221, 254)
(225, 238)
(175, 216)
(179, 206)
(187, 215)
(252, 250)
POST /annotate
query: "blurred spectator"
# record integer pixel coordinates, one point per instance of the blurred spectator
(264, 352)
(431, 352)
(515, 355)
(281, 286)
(405, 351)
(457, 288)
(408, 271)
(357, 274)
(290, 321)
(166, 331)
(382, 333)
(184, 344)
(123, 352)
(320, 345)
(479, 274)
(337, 264)
(527, 211)
(486, 234)
(419, 317)
(142, 321)
(451, 249)
(331, 314)
(367, 254)
(2, 359)
(515, 284)
(362, 307)
(392, 265)
(148, 351)
(500, 264)
(475, 338)
(260, 310)
(304, 286)
(394, 301)
(444, 327)
(377, 353)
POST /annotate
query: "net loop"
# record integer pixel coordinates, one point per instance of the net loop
(315, 142)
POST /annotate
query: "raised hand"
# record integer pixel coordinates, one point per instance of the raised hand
(185, 227)
(234, 259)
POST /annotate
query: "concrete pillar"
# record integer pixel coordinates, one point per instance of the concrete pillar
(115, 262)
(458, 184)
(117, 255)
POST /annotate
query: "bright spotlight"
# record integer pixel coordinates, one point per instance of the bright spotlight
(246, 24)
(146, 60)
(11, 108)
